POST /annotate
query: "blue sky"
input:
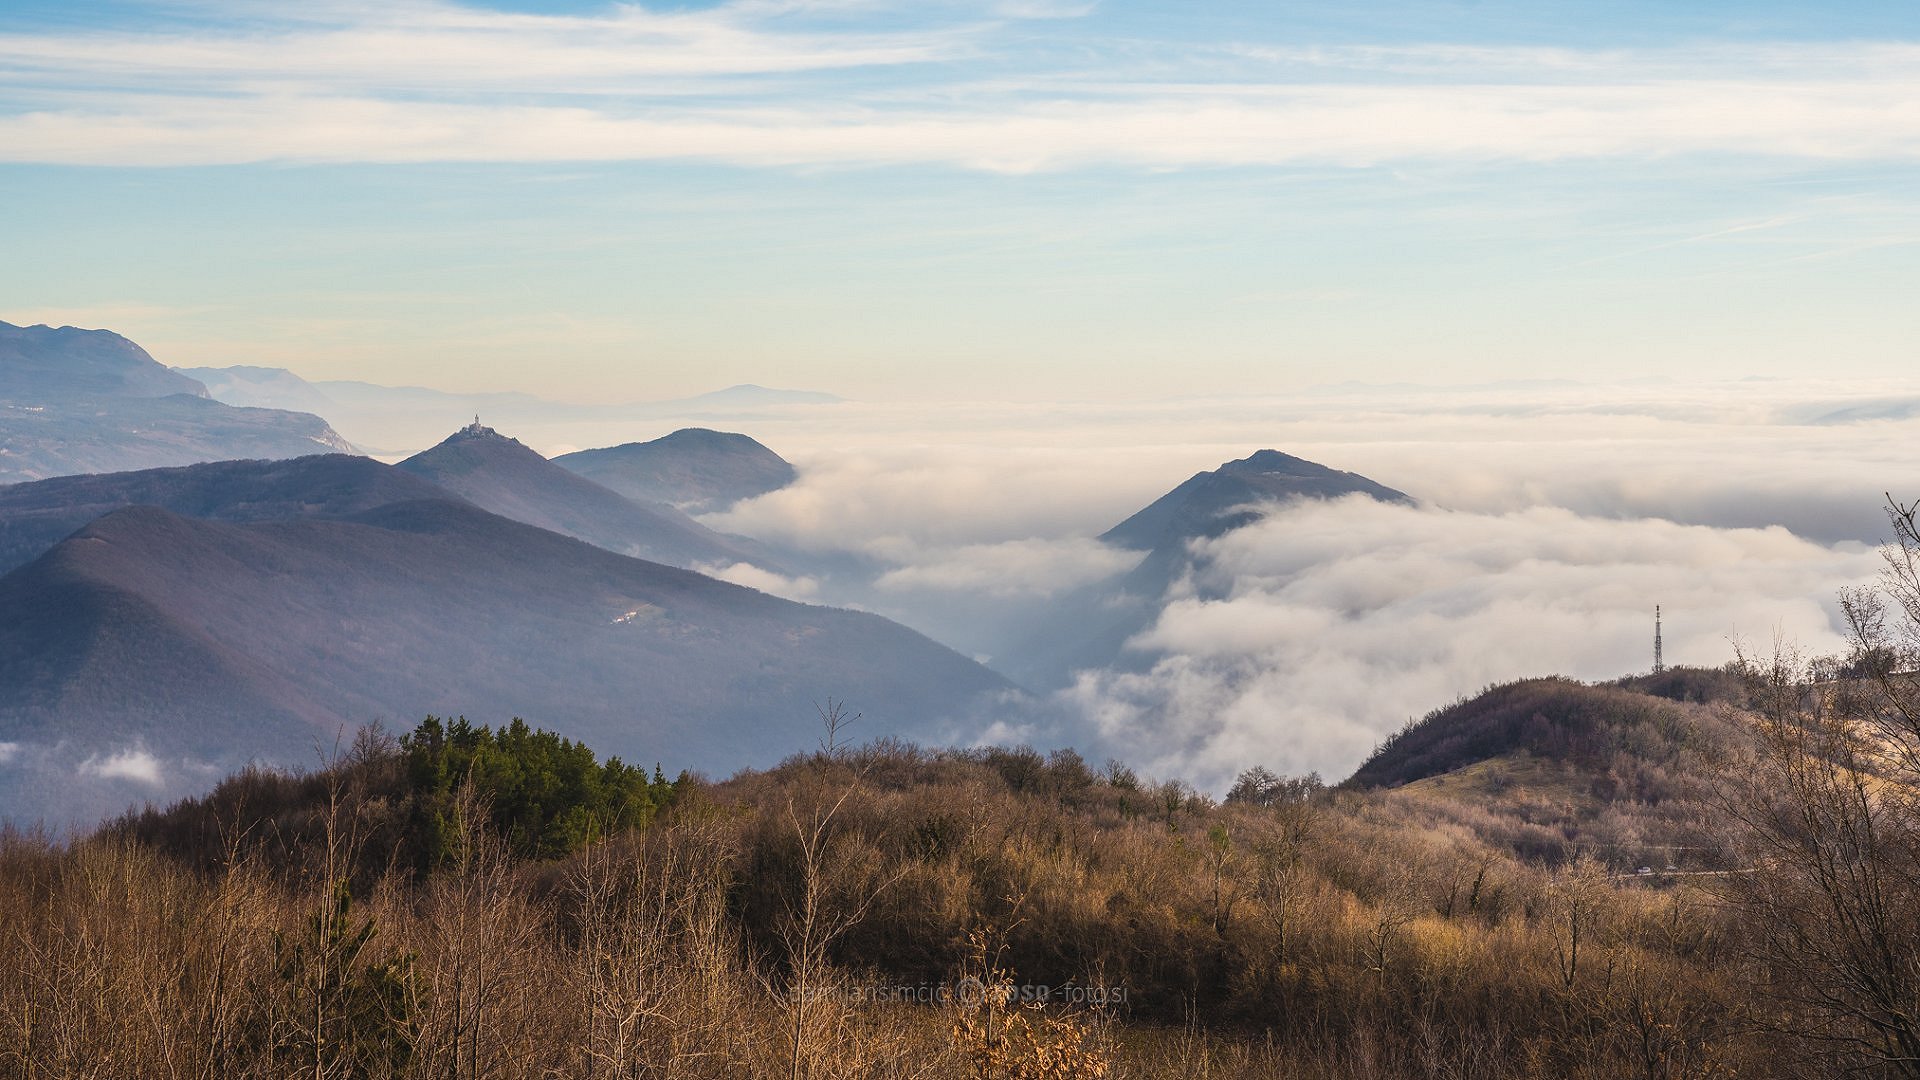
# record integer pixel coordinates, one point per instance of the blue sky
(1017, 199)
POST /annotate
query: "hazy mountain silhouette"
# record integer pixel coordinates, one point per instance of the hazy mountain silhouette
(218, 642)
(262, 387)
(1215, 503)
(69, 362)
(749, 396)
(396, 420)
(77, 401)
(36, 516)
(501, 474)
(1090, 627)
(401, 419)
(697, 469)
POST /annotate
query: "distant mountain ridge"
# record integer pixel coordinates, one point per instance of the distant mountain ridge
(396, 420)
(35, 516)
(80, 401)
(250, 386)
(697, 469)
(503, 475)
(218, 642)
(750, 396)
(1090, 628)
(68, 362)
(1214, 503)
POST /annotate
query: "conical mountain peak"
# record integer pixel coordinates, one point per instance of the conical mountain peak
(1214, 502)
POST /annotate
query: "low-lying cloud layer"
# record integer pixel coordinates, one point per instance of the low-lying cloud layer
(874, 493)
(1034, 567)
(767, 581)
(1338, 622)
(904, 482)
(1551, 519)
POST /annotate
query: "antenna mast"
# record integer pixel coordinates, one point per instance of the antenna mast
(1659, 662)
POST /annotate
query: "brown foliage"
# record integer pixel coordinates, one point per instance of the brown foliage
(814, 920)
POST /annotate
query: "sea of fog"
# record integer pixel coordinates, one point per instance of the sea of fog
(1551, 518)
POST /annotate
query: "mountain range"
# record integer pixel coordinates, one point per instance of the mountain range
(67, 363)
(696, 469)
(36, 516)
(1214, 503)
(503, 475)
(1091, 626)
(206, 642)
(81, 401)
(394, 420)
(197, 616)
(222, 612)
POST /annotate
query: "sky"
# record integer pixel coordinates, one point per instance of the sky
(1021, 200)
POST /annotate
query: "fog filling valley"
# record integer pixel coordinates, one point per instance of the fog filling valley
(1550, 521)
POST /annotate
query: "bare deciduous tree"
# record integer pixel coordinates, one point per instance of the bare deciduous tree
(1830, 819)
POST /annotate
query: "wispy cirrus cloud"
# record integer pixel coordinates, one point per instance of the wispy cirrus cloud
(1326, 126)
(450, 48)
(786, 85)
(1450, 62)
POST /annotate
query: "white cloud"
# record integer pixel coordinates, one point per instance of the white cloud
(754, 577)
(1548, 64)
(1337, 622)
(454, 48)
(131, 764)
(1318, 125)
(767, 85)
(1535, 552)
(903, 481)
(896, 500)
(1032, 567)
(8, 751)
(1042, 9)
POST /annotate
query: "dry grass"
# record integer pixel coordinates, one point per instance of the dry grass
(743, 934)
